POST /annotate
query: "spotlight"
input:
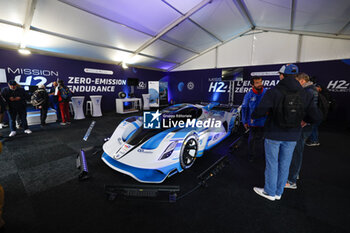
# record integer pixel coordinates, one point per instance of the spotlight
(24, 51)
(81, 164)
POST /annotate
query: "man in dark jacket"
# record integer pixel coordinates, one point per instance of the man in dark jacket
(250, 102)
(280, 140)
(15, 98)
(296, 162)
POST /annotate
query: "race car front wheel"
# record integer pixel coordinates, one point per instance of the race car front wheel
(188, 152)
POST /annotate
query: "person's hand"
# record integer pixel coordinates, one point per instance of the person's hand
(251, 121)
(40, 107)
(303, 124)
(17, 98)
(12, 99)
(246, 126)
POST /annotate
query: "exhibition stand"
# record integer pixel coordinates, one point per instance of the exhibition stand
(128, 105)
(77, 103)
(96, 105)
(146, 98)
(33, 117)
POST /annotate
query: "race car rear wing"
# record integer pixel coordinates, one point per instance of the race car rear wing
(221, 107)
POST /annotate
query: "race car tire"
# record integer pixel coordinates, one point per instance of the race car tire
(189, 151)
(236, 124)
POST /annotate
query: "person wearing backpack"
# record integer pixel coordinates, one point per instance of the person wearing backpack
(296, 162)
(64, 95)
(40, 100)
(287, 106)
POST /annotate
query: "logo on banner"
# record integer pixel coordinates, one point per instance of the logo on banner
(142, 85)
(151, 120)
(31, 77)
(190, 85)
(338, 86)
(218, 87)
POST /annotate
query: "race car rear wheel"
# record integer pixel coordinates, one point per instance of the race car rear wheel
(188, 152)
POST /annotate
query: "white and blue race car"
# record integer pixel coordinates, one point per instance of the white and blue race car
(152, 155)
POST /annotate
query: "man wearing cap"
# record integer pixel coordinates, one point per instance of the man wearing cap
(280, 140)
(15, 98)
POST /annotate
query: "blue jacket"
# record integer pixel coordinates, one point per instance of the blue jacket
(250, 102)
(269, 103)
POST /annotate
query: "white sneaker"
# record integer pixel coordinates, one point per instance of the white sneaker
(2, 125)
(28, 131)
(261, 192)
(277, 197)
(12, 134)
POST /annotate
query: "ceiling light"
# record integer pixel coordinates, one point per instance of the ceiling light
(24, 51)
(124, 65)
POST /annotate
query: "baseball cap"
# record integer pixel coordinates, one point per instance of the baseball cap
(289, 69)
(12, 82)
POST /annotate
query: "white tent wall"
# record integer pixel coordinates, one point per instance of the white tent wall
(274, 48)
(238, 51)
(263, 48)
(205, 61)
(320, 49)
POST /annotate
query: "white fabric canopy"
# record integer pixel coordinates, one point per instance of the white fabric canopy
(180, 35)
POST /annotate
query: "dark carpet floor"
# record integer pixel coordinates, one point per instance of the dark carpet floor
(43, 193)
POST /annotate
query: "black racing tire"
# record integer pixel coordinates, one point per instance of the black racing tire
(189, 150)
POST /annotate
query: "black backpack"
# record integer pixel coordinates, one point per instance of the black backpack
(38, 97)
(323, 105)
(290, 110)
(66, 94)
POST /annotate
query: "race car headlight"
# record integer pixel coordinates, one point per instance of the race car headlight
(168, 151)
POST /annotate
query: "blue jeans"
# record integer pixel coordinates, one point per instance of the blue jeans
(297, 159)
(314, 134)
(278, 157)
(22, 113)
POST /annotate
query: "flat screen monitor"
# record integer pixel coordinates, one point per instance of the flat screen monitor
(132, 81)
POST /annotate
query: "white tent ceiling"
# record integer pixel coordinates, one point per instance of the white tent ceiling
(180, 34)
